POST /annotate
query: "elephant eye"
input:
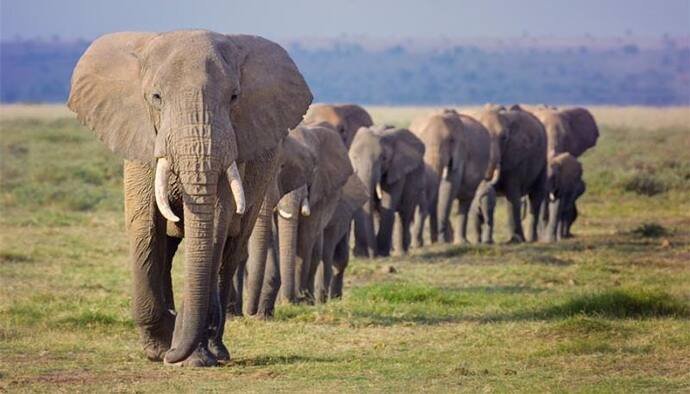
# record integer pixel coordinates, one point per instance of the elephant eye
(156, 100)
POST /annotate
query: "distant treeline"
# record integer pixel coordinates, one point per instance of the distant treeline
(39, 71)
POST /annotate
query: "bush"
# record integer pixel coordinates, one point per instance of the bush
(644, 184)
(650, 230)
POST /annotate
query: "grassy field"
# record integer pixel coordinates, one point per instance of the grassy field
(608, 311)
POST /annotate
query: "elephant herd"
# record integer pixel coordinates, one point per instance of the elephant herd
(222, 147)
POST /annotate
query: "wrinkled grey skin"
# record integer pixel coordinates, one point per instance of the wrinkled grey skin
(482, 212)
(519, 141)
(296, 168)
(390, 161)
(570, 211)
(300, 237)
(336, 241)
(199, 100)
(458, 152)
(346, 119)
(564, 185)
(427, 209)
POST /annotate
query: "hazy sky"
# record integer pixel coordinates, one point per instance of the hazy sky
(385, 19)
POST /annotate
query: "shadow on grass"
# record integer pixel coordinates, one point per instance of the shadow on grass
(263, 361)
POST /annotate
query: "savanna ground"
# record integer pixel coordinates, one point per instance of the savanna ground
(607, 311)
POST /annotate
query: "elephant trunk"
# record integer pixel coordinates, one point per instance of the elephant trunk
(493, 169)
(446, 194)
(199, 197)
(256, 264)
(288, 222)
(365, 234)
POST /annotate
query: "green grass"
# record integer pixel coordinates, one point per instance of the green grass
(607, 311)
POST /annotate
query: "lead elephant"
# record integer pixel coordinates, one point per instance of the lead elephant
(345, 118)
(518, 152)
(463, 146)
(565, 185)
(207, 111)
(390, 163)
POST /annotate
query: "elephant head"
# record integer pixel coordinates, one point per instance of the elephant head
(381, 158)
(442, 134)
(197, 104)
(345, 118)
(331, 171)
(512, 141)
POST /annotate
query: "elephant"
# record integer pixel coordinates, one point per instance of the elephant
(571, 130)
(426, 209)
(482, 210)
(336, 241)
(458, 147)
(518, 152)
(345, 118)
(297, 164)
(301, 237)
(198, 117)
(570, 212)
(565, 185)
(390, 163)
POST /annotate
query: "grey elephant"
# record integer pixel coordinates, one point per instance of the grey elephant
(426, 209)
(345, 118)
(482, 211)
(199, 130)
(565, 186)
(571, 130)
(462, 146)
(518, 152)
(336, 241)
(297, 164)
(300, 236)
(390, 163)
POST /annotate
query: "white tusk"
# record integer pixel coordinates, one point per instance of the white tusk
(236, 187)
(306, 211)
(445, 173)
(161, 189)
(284, 214)
(379, 193)
(552, 197)
(495, 176)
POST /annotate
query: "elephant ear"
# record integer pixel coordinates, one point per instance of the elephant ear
(273, 94)
(106, 95)
(333, 166)
(407, 153)
(356, 117)
(583, 133)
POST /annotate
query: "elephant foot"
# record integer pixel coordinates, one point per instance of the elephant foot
(219, 350)
(515, 239)
(461, 241)
(487, 242)
(201, 357)
(156, 339)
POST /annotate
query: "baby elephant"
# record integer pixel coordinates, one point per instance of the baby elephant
(482, 211)
(565, 185)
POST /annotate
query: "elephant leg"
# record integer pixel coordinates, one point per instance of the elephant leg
(513, 206)
(555, 208)
(365, 232)
(271, 285)
(234, 306)
(305, 250)
(390, 201)
(325, 271)
(536, 201)
(147, 240)
(172, 245)
(461, 231)
(398, 247)
(314, 263)
(341, 257)
(418, 229)
(256, 264)
(488, 206)
(433, 221)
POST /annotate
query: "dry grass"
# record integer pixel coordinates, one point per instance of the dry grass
(608, 311)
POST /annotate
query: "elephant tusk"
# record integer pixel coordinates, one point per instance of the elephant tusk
(236, 188)
(552, 197)
(379, 193)
(445, 173)
(306, 211)
(284, 214)
(161, 189)
(495, 176)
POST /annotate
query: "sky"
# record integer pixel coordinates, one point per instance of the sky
(288, 19)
